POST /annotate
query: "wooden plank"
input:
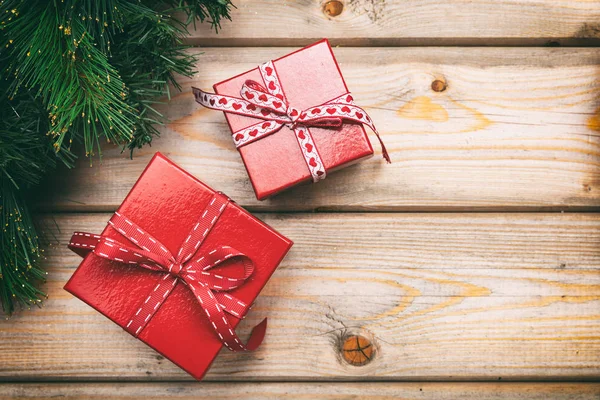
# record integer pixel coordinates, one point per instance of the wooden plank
(313, 390)
(516, 129)
(441, 297)
(408, 22)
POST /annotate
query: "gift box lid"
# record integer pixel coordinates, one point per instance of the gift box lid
(309, 77)
(166, 201)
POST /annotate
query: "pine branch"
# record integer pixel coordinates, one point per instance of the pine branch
(148, 55)
(78, 70)
(19, 252)
(58, 58)
(25, 155)
(203, 10)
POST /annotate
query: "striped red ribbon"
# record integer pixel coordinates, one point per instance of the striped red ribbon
(191, 266)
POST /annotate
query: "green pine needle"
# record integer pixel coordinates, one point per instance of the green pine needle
(19, 252)
(83, 71)
(25, 155)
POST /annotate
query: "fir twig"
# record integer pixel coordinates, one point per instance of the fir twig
(25, 155)
(79, 70)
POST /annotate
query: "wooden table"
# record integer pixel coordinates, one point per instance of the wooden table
(471, 265)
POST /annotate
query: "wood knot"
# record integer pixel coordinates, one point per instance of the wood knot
(357, 350)
(438, 85)
(333, 8)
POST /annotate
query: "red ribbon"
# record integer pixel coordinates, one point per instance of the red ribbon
(270, 105)
(143, 250)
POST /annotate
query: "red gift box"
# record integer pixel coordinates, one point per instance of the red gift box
(169, 206)
(291, 145)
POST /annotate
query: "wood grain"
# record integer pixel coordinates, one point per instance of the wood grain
(313, 391)
(408, 22)
(517, 129)
(441, 296)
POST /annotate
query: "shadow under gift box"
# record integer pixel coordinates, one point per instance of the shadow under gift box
(167, 202)
(309, 77)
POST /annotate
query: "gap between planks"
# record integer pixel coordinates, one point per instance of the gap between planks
(423, 42)
(516, 130)
(444, 297)
(407, 22)
(309, 390)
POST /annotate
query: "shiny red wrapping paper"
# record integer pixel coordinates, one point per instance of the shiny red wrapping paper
(309, 77)
(166, 202)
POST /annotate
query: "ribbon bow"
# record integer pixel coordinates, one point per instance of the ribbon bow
(270, 105)
(143, 250)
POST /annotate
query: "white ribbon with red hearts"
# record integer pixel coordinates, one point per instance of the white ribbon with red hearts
(271, 106)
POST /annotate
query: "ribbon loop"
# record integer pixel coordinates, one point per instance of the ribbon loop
(254, 93)
(209, 287)
(199, 269)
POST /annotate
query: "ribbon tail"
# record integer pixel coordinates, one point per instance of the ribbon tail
(221, 324)
(368, 122)
(236, 105)
(384, 151)
(324, 122)
(82, 243)
(348, 109)
(257, 335)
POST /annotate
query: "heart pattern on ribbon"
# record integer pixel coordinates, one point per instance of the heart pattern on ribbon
(268, 103)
